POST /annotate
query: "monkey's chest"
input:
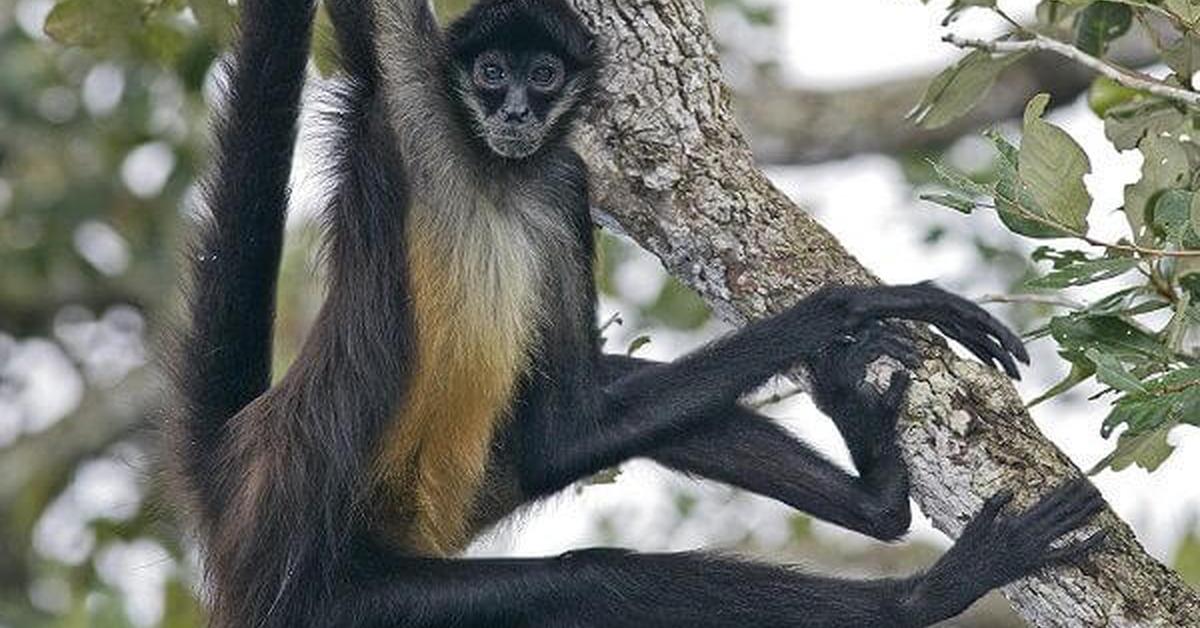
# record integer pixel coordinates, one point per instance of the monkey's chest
(474, 319)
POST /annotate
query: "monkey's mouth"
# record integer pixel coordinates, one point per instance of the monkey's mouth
(514, 142)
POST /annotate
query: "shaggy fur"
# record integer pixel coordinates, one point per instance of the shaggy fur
(454, 372)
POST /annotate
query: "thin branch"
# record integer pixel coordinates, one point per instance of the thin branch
(1033, 299)
(783, 395)
(1121, 75)
(1070, 233)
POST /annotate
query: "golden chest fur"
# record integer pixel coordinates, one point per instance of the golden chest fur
(473, 277)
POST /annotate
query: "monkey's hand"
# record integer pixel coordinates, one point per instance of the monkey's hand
(995, 549)
(865, 416)
(958, 319)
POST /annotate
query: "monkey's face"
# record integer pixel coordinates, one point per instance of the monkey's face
(519, 98)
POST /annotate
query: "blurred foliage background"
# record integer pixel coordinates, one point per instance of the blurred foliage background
(102, 134)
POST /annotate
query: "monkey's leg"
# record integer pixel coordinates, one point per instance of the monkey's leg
(608, 588)
(743, 448)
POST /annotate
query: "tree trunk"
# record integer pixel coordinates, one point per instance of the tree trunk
(671, 167)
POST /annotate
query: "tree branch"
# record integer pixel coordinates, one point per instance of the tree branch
(670, 165)
(796, 126)
(1123, 76)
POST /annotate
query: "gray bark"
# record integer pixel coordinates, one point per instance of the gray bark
(671, 167)
(795, 126)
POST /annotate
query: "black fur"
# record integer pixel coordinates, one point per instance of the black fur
(518, 24)
(286, 501)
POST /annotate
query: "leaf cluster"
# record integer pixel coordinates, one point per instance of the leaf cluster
(1136, 337)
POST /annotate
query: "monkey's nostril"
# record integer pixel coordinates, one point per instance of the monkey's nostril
(516, 115)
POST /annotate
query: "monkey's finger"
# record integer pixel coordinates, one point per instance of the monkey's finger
(897, 389)
(991, 508)
(983, 348)
(1072, 552)
(996, 347)
(903, 351)
(1065, 508)
(968, 313)
(927, 302)
(1078, 515)
(973, 313)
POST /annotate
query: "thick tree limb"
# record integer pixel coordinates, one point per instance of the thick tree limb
(671, 167)
(795, 126)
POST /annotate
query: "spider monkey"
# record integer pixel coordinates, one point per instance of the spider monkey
(454, 372)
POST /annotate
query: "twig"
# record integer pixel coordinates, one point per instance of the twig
(615, 319)
(1120, 75)
(792, 391)
(1035, 299)
(1069, 233)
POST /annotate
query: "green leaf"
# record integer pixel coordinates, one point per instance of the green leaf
(1014, 203)
(1100, 23)
(1076, 333)
(957, 203)
(1183, 57)
(638, 343)
(678, 307)
(1176, 379)
(1059, 259)
(216, 17)
(958, 181)
(163, 41)
(1053, 165)
(958, 6)
(1054, 12)
(1171, 218)
(1171, 399)
(959, 88)
(1147, 450)
(1111, 372)
(1106, 94)
(1008, 152)
(1081, 369)
(1019, 211)
(1187, 10)
(600, 478)
(92, 22)
(1084, 273)
(1165, 166)
(1194, 213)
(1186, 561)
(324, 46)
(1126, 125)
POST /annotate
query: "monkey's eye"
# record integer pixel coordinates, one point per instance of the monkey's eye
(546, 75)
(490, 73)
(493, 73)
(543, 74)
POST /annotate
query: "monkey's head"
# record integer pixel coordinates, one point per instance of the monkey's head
(522, 67)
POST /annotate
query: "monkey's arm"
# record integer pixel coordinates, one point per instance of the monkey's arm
(405, 47)
(745, 449)
(662, 402)
(226, 353)
(614, 588)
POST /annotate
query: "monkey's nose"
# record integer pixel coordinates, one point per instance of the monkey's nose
(517, 114)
